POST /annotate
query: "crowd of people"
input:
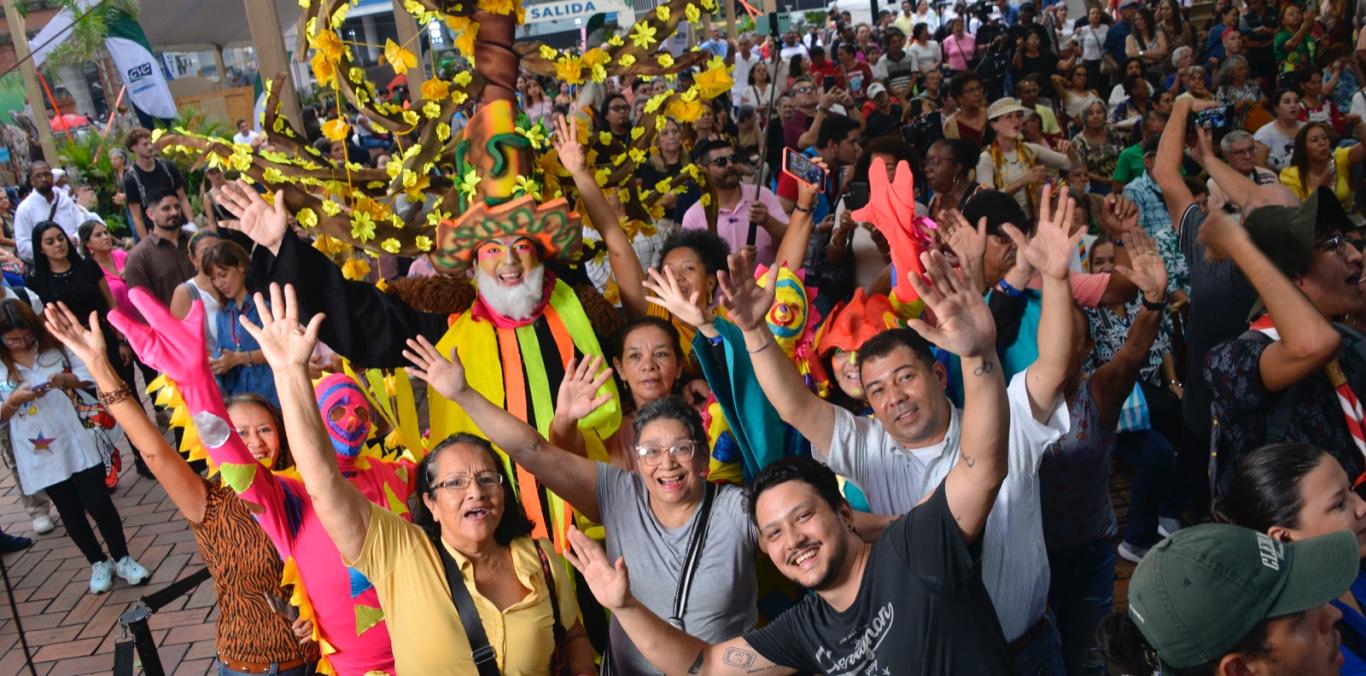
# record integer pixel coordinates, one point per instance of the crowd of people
(865, 423)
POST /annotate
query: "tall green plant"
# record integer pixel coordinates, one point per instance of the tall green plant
(87, 35)
(86, 156)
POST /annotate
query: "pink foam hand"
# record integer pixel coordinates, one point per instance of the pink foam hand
(172, 346)
(891, 209)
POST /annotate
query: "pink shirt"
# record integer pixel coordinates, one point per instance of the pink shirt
(733, 224)
(958, 52)
(117, 287)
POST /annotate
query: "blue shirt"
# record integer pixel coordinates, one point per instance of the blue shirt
(250, 379)
(1114, 40)
(1354, 623)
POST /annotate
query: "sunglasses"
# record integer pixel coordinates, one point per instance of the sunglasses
(723, 161)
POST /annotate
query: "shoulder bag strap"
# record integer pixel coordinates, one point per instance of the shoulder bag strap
(485, 660)
(695, 540)
(550, 586)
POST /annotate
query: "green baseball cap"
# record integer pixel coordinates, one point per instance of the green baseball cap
(1198, 593)
(1287, 234)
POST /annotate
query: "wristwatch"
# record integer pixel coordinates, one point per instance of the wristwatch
(1155, 307)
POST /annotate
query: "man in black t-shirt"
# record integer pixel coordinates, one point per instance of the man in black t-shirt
(910, 602)
(150, 175)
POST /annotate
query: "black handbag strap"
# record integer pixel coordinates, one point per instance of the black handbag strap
(485, 659)
(695, 540)
(554, 596)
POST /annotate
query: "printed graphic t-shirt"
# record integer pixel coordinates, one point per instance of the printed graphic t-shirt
(897, 625)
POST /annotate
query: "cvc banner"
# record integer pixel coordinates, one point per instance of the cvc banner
(141, 70)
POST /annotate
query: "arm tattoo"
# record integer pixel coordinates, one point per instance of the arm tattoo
(969, 461)
(696, 667)
(740, 659)
(985, 369)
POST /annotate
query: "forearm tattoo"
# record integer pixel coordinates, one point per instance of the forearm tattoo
(696, 667)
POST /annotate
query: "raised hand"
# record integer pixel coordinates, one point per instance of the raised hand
(747, 304)
(610, 583)
(446, 376)
(1050, 249)
(968, 244)
(567, 147)
(172, 346)
(86, 342)
(1119, 216)
(667, 295)
(1146, 269)
(283, 340)
(964, 325)
(263, 222)
(578, 396)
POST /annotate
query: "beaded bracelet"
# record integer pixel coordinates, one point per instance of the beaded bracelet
(111, 398)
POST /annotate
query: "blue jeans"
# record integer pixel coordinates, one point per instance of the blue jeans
(1081, 594)
(1154, 463)
(1042, 656)
(305, 670)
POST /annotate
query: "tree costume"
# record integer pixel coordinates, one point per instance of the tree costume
(488, 183)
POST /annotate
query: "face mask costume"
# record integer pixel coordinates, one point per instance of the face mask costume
(346, 413)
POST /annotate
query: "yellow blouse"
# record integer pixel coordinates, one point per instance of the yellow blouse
(424, 627)
(1342, 186)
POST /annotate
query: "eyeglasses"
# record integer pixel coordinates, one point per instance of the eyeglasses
(804, 90)
(1333, 243)
(681, 451)
(21, 340)
(486, 481)
(723, 161)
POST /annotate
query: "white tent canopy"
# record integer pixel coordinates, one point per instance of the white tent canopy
(190, 25)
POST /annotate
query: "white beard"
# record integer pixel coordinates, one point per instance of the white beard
(514, 302)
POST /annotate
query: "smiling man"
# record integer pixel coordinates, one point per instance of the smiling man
(879, 608)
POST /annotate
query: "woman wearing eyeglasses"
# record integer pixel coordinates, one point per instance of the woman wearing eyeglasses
(650, 514)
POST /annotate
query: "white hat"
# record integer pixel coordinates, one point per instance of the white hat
(875, 89)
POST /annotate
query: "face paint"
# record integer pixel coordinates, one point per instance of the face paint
(346, 413)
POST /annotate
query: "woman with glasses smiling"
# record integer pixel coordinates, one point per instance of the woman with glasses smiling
(658, 509)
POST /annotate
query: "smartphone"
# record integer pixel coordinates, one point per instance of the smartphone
(856, 195)
(801, 167)
(830, 82)
(281, 606)
(1214, 119)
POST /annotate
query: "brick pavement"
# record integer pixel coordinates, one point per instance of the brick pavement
(69, 630)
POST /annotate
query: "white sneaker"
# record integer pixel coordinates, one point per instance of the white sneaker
(1166, 525)
(1131, 553)
(131, 571)
(101, 577)
(42, 524)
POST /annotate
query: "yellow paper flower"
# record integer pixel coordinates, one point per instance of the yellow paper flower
(637, 132)
(431, 109)
(355, 269)
(599, 74)
(443, 132)
(665, 59)
(411, 118)
(469, 183)
(459, 97)
(336, 129)
(683, 110)
(357, 77)
(627, 60)
(528, 187)
(362, 226)
(662, 12)
(435, 89)
(601, 175)
(548, 53)
(692, 13)
(605, 138)
(331, 208)
(328, 44)
(503, 7)
(535, 134)
(643, 35)
(324, 70)
(637, 155)
(399, 58)
(709, 5)
(465, 31)
(273, 175)
(307, 218)
(391, 245)
(705, 200)
(423, 243)
(655, 102)
(569, 69)
(715, 80)
(462, 79)
(595, 57)
(615, 41)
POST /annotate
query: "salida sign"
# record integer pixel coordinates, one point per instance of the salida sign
(577, 9)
